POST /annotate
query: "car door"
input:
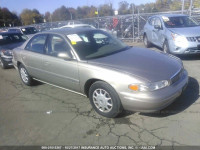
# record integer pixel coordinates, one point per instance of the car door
(59, 71)
(149, 27)
(157, 34)
(32, 56)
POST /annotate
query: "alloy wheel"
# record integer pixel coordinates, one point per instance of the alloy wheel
(24, 75)
(102, 100)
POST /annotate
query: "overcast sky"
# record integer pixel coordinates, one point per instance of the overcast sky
(50, 5)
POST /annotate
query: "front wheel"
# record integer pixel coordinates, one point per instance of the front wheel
(25, 77)
(147, 44)
(166, 47)
(104, 99)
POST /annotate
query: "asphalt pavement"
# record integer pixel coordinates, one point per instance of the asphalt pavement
(46, 115)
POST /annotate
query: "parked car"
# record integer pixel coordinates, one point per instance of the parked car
(28, 31)
(9, 41)
(93, 63)
(175, 33)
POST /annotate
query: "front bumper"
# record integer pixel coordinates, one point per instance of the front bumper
(7, 60)
(191, 48)
(156, 100)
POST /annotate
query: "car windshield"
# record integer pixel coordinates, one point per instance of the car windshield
(29, 30)
(95, 44)
(11, 38)
(179, 22)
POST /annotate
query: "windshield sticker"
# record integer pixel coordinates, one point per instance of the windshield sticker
(74, 38)
(23, 29)
(165, 18)
(1, 37)
(73, 42)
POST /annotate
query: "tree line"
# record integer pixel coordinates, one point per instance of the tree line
(27, 16)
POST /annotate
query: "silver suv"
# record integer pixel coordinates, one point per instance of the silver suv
(175, 33)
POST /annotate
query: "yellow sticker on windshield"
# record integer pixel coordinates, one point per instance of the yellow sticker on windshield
(73, 42)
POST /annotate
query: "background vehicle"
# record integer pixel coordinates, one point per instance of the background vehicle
(29, 31)
(93, 63)
(9, 41)
(175, 33)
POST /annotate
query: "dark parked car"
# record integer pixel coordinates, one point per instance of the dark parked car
(9, 41)
(28, 31)
(95, 64)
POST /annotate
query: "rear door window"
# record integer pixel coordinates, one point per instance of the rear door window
(37, 44)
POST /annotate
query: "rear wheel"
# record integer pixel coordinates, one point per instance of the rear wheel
(25, 77)
(104, 99)
(147, 44)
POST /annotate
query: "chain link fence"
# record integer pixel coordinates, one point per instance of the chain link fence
(126, 27)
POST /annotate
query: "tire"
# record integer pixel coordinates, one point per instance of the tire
(3, 65)
(166, 47)
(104, 99)
(147, 44)
(25, 77)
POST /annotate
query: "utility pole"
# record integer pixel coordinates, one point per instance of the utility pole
(183, 5)
(191, 6)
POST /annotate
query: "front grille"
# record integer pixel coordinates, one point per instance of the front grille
(177, 76)
(194, 39)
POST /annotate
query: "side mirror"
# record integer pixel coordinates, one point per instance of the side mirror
(64, 55)
(157, 27)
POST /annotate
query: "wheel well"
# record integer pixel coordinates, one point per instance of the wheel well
(88, 85)
(165, 40)
(144, 34)
(18, 63)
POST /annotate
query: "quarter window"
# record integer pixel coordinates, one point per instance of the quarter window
(37, 44)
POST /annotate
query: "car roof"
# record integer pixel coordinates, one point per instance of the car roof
(169, 15)
(66, 31)
(77, 25)
(9, 33)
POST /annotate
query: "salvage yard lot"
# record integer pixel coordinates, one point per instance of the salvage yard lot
(46, 115)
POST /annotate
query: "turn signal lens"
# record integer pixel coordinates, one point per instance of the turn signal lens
(134, 87)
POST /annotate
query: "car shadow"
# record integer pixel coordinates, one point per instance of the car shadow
(37, 83)
(189, 57)
(188, 97)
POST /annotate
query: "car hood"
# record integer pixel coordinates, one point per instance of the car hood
(146, 64)
(187, 32)
(11, 46)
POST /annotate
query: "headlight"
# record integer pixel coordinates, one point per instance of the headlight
(6, 53)
(149, 86)
(179, 40)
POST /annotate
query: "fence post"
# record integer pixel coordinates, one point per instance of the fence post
(138, 23)
(191, 4)
(133, 23)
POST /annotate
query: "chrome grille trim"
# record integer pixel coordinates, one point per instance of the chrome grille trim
(176, 76)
